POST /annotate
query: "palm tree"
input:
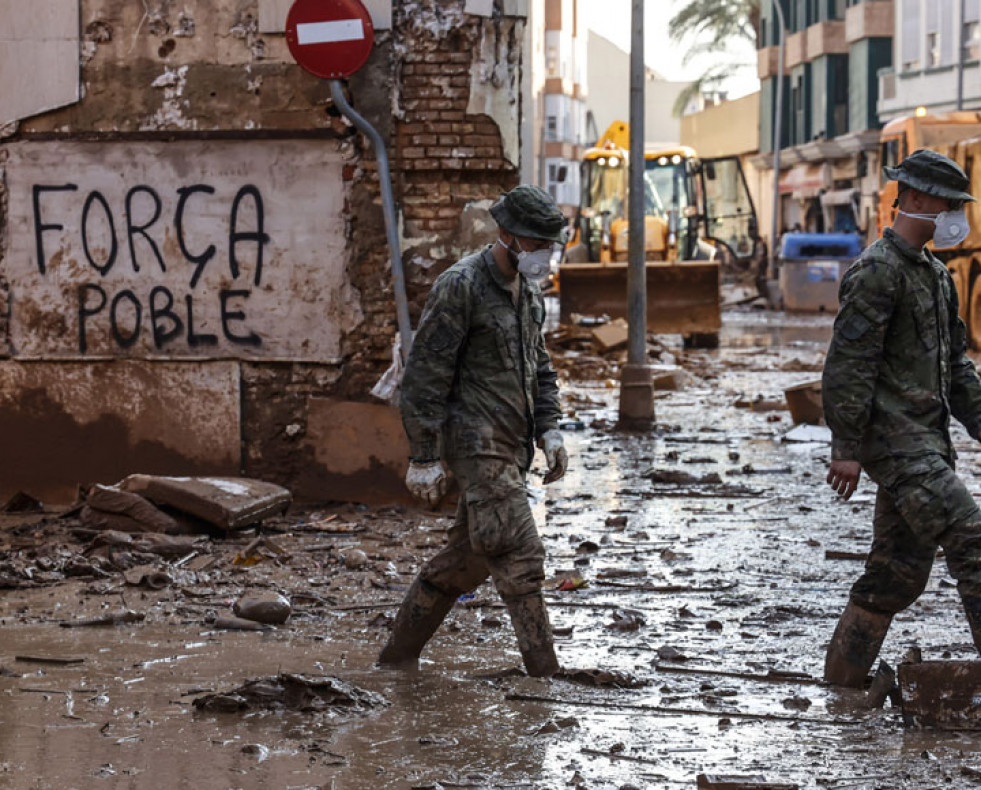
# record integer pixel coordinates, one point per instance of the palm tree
(712, 25)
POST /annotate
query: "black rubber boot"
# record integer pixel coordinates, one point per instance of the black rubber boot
(422, 610)
(972, 608)
(855, 645)
(529, 618)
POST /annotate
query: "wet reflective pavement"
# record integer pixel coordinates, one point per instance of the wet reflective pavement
(718, 596)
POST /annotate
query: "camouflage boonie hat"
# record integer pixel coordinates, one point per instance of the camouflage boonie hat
(932, 173)
(530, 212)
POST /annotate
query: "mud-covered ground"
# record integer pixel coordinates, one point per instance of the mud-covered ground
(716, 596)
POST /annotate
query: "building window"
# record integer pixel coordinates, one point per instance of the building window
(972, 41)
(551, 128)
(933, 49)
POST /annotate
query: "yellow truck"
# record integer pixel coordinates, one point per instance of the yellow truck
(697, 212)
(957, 135)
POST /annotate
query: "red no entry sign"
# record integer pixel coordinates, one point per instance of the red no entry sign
(329, 38)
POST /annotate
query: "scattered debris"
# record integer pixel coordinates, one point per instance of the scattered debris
(230, 503)
(941, 694)
(355, 560)
(22, 502)
(108, 508)
(112, 618)
(832, 554)
(600, 678)
(557, 725)
(808, 433)
(612, 335)
(149, 576)
(269, 608)
(804, 401)
(306, 693)
(720, 782)
(678, 477)
(59, 660)
(796, 702)
(626, 620)
(228, 623)
(883, 687)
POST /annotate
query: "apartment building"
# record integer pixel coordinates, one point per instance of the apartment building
(937, 58)
(554, 119)
(834, 51)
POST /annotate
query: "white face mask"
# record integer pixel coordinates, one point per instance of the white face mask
(533, 264)
(951, 228)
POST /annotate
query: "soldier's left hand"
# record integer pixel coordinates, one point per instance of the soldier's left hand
(843, 477)
(555, 455)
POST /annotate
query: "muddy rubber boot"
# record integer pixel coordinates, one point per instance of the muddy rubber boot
(855, 645)
(972, 608)
(530, 621)
(422, 610)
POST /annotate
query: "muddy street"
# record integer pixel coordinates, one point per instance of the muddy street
(700, 569)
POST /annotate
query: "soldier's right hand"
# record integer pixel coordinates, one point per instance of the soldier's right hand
(426, 480)
(843, 477)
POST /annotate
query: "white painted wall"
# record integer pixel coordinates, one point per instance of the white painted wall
(85, 280)
(39, 57)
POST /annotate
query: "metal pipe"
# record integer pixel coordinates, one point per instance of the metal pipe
(777, 137)
(636, 267)
(388, 210)
(960, 59)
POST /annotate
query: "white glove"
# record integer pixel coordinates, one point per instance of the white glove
(426, 481)
(555, 455)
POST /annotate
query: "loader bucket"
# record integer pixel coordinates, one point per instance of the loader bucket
(682, 298)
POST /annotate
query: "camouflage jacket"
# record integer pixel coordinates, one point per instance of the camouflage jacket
(479, 380)
(897, 367)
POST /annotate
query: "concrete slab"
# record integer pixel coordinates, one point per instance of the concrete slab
(359, 453)
(65, 423)
(227, 502)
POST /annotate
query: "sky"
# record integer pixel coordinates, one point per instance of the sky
(612, 20)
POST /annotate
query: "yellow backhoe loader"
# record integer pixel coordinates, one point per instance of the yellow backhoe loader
(696, 212)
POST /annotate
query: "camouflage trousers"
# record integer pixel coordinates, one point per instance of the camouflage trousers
(921, 504)
(494, 533)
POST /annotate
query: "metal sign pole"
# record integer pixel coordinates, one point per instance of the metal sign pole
(388, 209)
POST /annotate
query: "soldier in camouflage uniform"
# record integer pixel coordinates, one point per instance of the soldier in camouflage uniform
(896, 372)
(478, 391)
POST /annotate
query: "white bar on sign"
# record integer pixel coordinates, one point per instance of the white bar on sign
(330, 32)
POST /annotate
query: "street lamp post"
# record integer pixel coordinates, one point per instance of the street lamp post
(777, 137)
(636, 384)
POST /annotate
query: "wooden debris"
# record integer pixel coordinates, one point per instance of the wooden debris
(941, 694)
(773, 676)
(112, 618)
(831, 554)
(717, 782)
(60, 660)
(611, 335)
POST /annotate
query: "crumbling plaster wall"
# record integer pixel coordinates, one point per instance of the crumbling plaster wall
(441, 87)
(457, 110)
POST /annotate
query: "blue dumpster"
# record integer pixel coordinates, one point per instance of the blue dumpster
(811, 266)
